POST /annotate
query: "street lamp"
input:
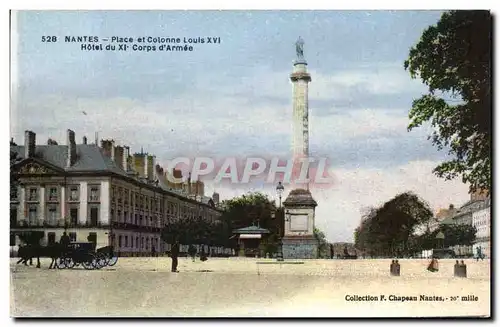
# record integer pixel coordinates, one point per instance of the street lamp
(279, 189)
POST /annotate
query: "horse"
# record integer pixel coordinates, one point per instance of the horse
(28, 252)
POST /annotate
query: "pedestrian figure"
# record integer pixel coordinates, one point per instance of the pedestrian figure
(203, 256)
(479, 254)
(91, 240)
(174, 253)
(192, 252)
(65, 240)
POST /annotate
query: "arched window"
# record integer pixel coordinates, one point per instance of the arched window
(147, 243)
(137, 241)
(120, 241)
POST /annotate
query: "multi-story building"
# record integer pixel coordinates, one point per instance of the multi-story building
(464, 216)
(481, 220)
(93, 193)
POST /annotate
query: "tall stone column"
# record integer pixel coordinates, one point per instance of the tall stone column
(300, 130)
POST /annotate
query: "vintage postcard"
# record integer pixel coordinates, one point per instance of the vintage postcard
(250, 163)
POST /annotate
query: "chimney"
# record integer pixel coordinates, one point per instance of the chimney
(29, 144)
(113, 150)
(151, 171)
(84, 140)
(119, 150)
(126, 151)
(145, 172)
(70, 141)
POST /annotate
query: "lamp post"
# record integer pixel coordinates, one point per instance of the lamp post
(279, 190)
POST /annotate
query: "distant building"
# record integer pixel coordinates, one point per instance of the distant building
(97, 193)
(481, 219)
(464, 216)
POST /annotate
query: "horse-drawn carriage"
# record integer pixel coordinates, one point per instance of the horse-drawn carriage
(81, 253)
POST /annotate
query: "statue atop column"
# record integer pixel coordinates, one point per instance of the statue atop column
(299, 48)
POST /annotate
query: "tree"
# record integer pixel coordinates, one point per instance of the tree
(322, 243)
(250, 209)
(453, 58)
(51, 142)
(387, 230)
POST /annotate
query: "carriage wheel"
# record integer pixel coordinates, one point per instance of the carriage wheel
(69, 262)
(88, 263)
(112, 261)
(99, 261)
(61, 263)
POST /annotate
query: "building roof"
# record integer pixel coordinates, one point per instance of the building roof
(300, 197)
(251, 230)
(89, 158)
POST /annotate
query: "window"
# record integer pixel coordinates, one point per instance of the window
(140, 219)
(13, 192)
(52, 217)
(112, 215)
(33, 196)
(13, 217)
(120, 241)
(32, 215)
(73, 193)
(132, 242)
(94, 193)
(72, 237)
(53, 194)
(94, 215)
(73, 214)
(137, 241)
(125, 216)
(119, 218)
(142, 242)
(136, 217)
(147, 243)
(126, 241)
(51, 238)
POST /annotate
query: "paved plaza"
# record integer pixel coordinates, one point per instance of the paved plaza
(239, 287)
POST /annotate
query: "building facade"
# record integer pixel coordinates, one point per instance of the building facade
(481, 219)
(94, 194)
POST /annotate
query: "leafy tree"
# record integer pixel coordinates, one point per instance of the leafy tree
(453, 235)
(250, 209)
(453, 58)
(323, 246)
(387, 230)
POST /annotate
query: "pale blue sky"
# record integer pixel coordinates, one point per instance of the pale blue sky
(233, 98)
